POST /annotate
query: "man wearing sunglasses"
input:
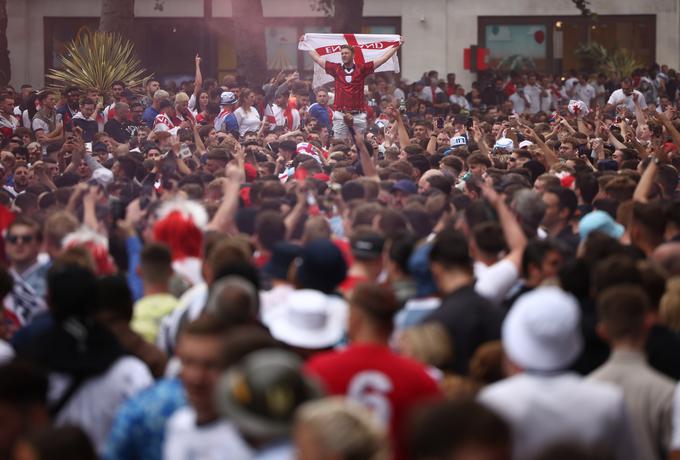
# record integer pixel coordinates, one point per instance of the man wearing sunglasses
(22, 246)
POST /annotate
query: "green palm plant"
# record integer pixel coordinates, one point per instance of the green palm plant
(93, 61)
(596, 57)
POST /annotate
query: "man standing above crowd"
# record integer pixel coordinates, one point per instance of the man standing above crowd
(349, 85)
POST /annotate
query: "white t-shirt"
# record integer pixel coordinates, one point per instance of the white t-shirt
(532, 93)
(495, 281)
(426, 94)
(675, 436)
(247, 121)
(95, 403)
(518, 102)
(220, 440)
(585, 93)
(459, 100)
(6, 352)
(189, 307)
(618, 97)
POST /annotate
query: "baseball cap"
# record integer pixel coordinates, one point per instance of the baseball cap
(283, 254)
(261, 393)
(367, 246)
(103, 176)
(599, 221)
(100, 147)
(309, 319)
(504, 144)
(542, 332)
(406, 186)
(227, 97)
(322, 266)
(525, 144)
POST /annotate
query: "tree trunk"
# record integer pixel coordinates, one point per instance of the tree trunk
(347, 16)
(5, 68)
(251, 53)
(117, 17)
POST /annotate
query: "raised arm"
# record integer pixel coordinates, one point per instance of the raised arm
(198, 79)
(317, 58)
(388, 54)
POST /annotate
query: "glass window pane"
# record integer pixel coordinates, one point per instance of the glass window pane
(281, 47)
(517, 47)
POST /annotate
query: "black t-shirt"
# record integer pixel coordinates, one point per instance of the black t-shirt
(89, 127)
(662, 351)
(117, 130)
(470, 321)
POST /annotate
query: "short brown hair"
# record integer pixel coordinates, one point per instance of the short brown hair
(156, 263)
(377, 302)
(622, 310)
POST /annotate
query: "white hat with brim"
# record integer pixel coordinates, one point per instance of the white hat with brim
(542, 332)
(309, 319)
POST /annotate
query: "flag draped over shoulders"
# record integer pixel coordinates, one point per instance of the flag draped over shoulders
(367, 47)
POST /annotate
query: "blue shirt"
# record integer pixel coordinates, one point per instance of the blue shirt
(138, 431)
(149, 116)
(134, 250)
(322, 115)
(230, 124)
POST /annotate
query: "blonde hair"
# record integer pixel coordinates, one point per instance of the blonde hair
(344, 428)
(669, 309)
(181, 97)
(428, 343)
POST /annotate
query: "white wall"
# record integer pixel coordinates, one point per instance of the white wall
(436, 31)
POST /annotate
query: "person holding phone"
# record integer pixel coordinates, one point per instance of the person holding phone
(627, 96)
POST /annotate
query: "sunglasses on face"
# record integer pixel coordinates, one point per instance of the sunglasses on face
(25, 239)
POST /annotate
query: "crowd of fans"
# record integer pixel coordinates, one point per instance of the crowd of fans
(367, 270)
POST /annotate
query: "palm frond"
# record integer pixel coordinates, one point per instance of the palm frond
(93, 61)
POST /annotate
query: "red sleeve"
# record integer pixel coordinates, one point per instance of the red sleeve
(368, 68)
(332, 68)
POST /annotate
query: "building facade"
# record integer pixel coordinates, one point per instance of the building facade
(541, 33)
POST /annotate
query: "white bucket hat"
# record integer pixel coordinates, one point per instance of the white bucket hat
(542, 332)
(309, 319)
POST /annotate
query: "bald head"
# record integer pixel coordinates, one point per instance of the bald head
(668, 256)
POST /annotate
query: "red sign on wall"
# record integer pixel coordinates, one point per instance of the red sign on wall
(475, 58)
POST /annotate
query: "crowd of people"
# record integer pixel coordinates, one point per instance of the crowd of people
(373, 269)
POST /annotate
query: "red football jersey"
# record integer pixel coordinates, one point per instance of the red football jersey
(385, 382)
(349, 85)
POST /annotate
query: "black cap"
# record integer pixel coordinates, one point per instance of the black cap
(367, 246)
(261, 394)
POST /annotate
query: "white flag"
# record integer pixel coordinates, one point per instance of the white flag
(367, 47)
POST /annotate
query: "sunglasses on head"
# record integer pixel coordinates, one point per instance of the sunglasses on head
(14, 239)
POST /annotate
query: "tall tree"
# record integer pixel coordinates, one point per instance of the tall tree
(5, 67)
(347, 16)
(251, 53)
(117, 16)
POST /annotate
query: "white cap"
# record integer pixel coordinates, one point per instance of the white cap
(227, 97)
(504, 143)
(309, 319)
(542, 332)
(103, 176)
(525, 143)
